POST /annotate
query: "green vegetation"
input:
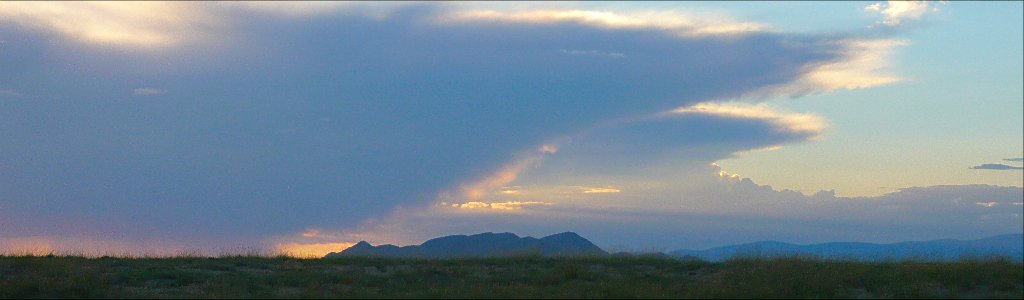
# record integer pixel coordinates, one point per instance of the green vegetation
(518, 277)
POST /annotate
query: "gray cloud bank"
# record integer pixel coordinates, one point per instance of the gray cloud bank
(730, 212)
(285, 123)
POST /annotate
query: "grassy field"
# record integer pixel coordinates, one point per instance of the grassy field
(520, 277)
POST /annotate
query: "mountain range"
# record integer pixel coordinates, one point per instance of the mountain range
(481, 245)
(1010, 245)
(571, 244)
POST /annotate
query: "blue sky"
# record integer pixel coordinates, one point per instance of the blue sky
(960, 106)
(306, 127)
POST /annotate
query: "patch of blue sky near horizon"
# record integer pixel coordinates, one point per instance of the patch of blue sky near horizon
(959, 106)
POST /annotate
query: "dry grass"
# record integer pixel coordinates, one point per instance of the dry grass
(246, 276)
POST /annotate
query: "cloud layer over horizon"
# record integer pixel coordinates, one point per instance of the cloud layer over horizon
(220, 124)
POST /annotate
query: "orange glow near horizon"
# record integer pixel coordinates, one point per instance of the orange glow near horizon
(311, 250)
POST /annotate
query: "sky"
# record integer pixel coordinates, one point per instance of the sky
(304, 127)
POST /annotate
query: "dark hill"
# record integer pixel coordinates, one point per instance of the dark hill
(481, 245)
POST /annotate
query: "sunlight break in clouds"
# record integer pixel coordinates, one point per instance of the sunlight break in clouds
(133, 24)
(501, 206)
(684, 25)
(309, 250)
(784, 121)
(305, 9)
(599, 190)
(498, 180)
(160, 24)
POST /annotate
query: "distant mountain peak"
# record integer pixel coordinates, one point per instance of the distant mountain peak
(567, 234)
(1007, 245)
(482, 245)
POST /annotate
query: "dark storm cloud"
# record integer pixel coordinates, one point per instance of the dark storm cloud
(326, 121)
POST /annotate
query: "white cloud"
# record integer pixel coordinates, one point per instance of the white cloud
(500, 206)
(784, 121)
(599, 190)
(515, 205)
(510, 190)
(682, 24)
(305, 9)
(862, 63)
(726, 176)
(151, 25)
(896, 12)
(862, 66)
(129, 24)
(161, 24)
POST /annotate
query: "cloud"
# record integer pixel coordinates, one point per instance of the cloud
(676, 22)
(281, 123)
(896, 13)
(996, 167)
(310, 9)
(510, 190)
(784, 121)
(599, 190)
(129, 24)
(311, 233)
(147, 91)
(862, 63)
(500, 206)
(479, 188)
